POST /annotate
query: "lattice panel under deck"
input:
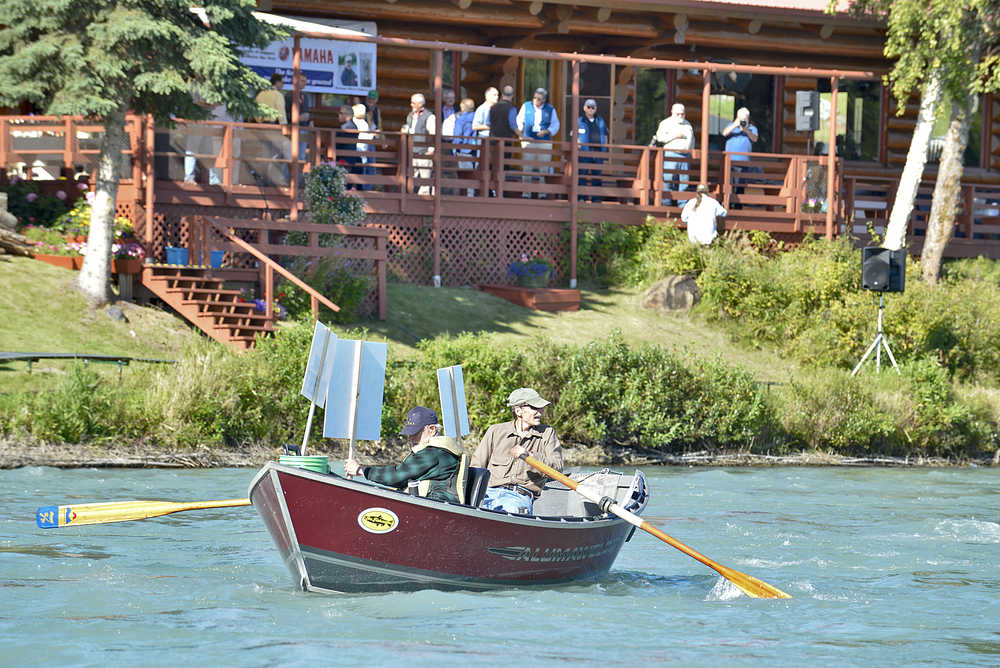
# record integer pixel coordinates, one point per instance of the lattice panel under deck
(473, 250)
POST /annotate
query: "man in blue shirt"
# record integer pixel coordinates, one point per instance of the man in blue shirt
(591, 130)
(740, 136)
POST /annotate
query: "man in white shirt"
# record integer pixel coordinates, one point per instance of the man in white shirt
(676, 136)
(538, 124)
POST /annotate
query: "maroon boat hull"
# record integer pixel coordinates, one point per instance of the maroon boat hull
(337, 535)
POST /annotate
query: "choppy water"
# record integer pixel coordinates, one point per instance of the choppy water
(886, 567)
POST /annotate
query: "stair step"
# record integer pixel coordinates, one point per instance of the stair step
(207, 291)
(218, 302)
(245, 328)
(241, 316)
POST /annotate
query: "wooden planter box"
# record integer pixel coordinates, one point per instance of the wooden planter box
(541, 299)
(65, 261)
(128, 265)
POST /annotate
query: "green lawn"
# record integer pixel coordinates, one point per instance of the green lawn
(43, 313)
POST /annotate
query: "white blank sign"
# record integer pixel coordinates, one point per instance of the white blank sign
(448, 401)
(320, 358)
(340, 393)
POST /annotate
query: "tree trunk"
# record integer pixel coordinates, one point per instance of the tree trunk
(947, 190)
(95, 275)
(916, 158)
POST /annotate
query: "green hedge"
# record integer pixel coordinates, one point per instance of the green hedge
(606, 394)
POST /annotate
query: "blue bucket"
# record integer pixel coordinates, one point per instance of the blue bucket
(177, 255)
(217, 259)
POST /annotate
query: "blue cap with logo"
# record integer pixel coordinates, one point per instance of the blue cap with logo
(418, 418)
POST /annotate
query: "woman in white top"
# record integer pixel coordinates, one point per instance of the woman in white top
(700, 214)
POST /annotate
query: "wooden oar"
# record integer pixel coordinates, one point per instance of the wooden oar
(750, 585)
(51, 517)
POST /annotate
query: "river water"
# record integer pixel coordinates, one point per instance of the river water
(885, 566)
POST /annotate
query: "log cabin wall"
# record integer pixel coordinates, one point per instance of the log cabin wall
(718, 31)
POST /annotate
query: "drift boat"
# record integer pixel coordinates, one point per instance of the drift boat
(340, 535)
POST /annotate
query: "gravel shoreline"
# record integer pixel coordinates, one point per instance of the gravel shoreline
(19, 454)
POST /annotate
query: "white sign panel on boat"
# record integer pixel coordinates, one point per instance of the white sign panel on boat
(342, 393)
(315, 383)
(453, 402)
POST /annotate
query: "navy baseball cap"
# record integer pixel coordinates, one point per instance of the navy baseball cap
(418, 418)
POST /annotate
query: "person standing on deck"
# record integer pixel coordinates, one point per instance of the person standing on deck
(676, 136)
(514, 485)
(420, 124)
(433, 460)
(538, 124)
(740, 136)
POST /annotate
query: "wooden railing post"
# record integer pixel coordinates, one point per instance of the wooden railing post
(573, 168)
(727, 180)
(269, 292)
(148, 158)
(381, 244)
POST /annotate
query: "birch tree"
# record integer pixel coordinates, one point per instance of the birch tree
(104, 59)
(946, 49)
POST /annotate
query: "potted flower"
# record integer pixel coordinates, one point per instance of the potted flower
(534, 272)
(126, 257)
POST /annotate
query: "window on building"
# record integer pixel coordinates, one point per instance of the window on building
(537, 74)
(859, 106)
(973, 150)
(650, 102)
(741, 89)
(595, 84)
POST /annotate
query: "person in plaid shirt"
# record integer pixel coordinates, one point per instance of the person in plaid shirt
(433, 460)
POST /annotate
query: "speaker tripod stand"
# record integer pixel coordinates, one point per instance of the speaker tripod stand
(877, 346)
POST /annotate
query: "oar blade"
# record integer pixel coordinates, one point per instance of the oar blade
(51, 517)
(751, 586)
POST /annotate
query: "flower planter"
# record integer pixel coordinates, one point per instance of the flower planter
(126, 265)
(541, 299)
(535, 280)
(73, 262)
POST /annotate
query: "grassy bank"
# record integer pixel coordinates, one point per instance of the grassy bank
(626, 383)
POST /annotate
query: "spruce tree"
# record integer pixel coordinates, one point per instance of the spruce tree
(107, 58)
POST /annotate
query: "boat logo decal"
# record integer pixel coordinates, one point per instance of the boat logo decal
(378, 520)
(525, 553)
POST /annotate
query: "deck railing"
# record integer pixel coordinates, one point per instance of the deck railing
(233, 236)
(229, 160)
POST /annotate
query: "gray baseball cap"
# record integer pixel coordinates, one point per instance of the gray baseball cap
(525, 396)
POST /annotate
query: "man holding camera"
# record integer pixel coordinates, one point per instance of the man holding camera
(740, 136)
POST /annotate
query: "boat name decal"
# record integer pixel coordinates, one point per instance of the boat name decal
(525, 553)
(378, 520)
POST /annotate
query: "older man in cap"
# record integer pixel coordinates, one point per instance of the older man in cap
(433, 460)
(513, 484)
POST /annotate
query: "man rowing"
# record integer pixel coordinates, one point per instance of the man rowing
(513, 484)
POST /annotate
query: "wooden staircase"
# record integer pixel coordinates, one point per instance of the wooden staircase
(201, 299)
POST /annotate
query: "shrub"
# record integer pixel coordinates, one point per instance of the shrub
(331, 277)
(327, 198)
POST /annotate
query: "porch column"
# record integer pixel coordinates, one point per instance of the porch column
(574, 155)
(293, 178)
(706, 92)
(436, 164)
(148, 162)
(831, 158)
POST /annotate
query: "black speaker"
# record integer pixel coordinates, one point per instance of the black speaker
(806, 110)
(883, 270)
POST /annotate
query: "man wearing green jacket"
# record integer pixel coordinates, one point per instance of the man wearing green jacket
(433, 460)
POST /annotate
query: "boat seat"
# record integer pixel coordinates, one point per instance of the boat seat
(476, 486)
